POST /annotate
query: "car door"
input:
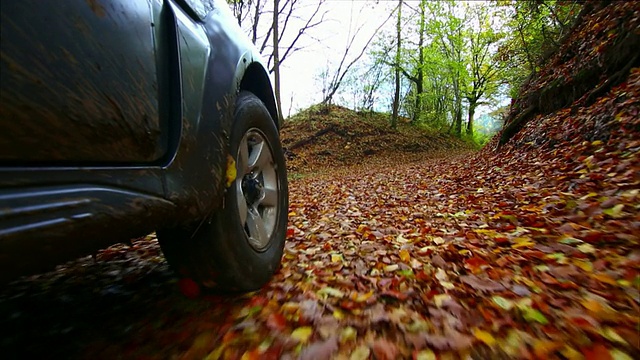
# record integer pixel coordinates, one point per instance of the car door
(79, 83)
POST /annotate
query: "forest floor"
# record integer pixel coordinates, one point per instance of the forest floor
(528, 252)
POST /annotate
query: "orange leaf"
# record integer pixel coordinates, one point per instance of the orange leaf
(404, 255)
(542, 348)
(605, 279)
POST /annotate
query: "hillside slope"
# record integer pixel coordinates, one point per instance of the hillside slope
(325, 138)
(585, 91)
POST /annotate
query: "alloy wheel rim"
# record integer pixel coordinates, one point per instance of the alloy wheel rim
(257, 188)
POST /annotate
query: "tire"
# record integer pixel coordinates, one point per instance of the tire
(240, 246)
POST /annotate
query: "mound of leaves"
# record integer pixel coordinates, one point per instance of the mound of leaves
(326, 137)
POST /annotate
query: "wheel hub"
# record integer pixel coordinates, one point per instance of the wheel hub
(252, 189)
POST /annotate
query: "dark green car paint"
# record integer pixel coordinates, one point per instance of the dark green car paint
(114, 120)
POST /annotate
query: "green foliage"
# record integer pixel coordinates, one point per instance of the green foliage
(458, 60)
(534, 30)
(448, 62)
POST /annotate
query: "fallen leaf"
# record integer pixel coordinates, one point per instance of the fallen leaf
(302, 334)
(362, 352)
(404, 255)
(503, 303)
(586, 248)
(484, 336)
(617, 354)
(424, 355)
(384, 349)
(231, 170)
(597, 352)
(480, 284)
(531, 314)
(329, 291)
(614, 212)
(189, 288)
(320, 350)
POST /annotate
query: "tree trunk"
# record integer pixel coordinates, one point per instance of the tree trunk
(276, 62)
(472, 110)
(396, 96)
(458, 116)
(254, 27)
(420, 72)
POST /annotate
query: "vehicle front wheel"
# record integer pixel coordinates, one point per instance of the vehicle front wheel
(240, 246)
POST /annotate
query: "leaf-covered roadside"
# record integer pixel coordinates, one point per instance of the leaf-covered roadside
(532, 254)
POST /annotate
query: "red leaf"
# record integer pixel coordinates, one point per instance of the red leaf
(474, 263)
(383, 349)
(395, 294)
(189, 288)
(276, 321)
(597, 352)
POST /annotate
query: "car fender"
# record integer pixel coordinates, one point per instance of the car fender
(195, 179)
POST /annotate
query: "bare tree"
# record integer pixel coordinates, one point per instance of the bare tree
(344, 67)
(276, 60)
(249, 12)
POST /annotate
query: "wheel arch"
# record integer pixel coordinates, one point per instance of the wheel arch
(256, 80)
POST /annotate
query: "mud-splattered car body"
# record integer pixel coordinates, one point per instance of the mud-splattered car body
(114, 118)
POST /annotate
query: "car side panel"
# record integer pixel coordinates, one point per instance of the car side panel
(79, 83)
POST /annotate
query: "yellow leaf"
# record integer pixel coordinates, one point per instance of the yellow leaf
(504, 303)
(584, 265)
(592, 305)
(571, 353)
(404, 255)
(512, 343)
(231, 170)
(348, 334)
(438, 299)
(612, 335)
(586, 248)
(623, 282)
(619, 355)
(336, 257)
(615, 212)
(390, 268)
(329, 291)
(605, 279)
(438, 240)
(425, 355)
(357, 297)
(447, 285)
(362, 352)
(522, 242)
(302, 334)
(484, 336)
(591, 194)
(339, 315)
(401, 239)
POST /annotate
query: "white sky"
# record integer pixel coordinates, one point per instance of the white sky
(299, 72)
